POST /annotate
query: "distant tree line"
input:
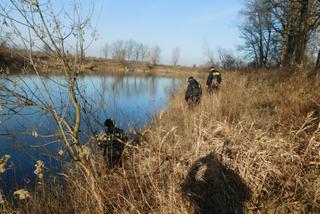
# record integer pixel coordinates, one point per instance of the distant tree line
(130, 50)
(281, 32)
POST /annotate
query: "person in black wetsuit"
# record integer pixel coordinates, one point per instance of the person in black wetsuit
(112, 142)
(194, 91)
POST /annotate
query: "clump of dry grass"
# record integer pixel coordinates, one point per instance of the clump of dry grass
(253, 147)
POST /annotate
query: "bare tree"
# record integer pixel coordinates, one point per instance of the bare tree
(137, 52)
(175, 56)
(106, 50)
(278, 31)
(209, 54)
(140, 52)
(227, 60)
(33, 25)
(295, 21)
(261, 41)
(32, 17)
(154, 55)
(130, 49)
(144, 50)
(118, 50)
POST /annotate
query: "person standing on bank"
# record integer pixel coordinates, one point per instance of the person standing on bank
(214, 79)
(194, 91)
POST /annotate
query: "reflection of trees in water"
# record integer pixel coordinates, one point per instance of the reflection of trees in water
(133, 86)
(103, 95)
(128, 86)
(213, 188)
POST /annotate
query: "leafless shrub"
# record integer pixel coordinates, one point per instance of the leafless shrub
(175, 56)
(35, 25)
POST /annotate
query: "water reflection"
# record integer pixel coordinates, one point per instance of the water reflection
(131, 100)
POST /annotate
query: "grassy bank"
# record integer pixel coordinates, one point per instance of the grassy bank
(253, 147)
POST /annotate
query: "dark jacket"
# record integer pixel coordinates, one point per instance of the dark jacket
(117, 133)
(113, 145)
(214, 75)
(213, 80)
(194, 91)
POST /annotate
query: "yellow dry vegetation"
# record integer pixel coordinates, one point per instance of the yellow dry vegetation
(251, 147)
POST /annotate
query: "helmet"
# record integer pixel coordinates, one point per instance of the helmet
(109, 123)
(190, 78)
(213, 69)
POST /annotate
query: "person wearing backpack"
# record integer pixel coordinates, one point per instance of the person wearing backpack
(214, 79)
(194, 91)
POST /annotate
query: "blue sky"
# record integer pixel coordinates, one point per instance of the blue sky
(187, 24)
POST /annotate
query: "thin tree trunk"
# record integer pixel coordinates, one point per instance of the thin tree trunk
(303, 32)
(261, 49)
(289, 36)
(289, 49)
(318, 60)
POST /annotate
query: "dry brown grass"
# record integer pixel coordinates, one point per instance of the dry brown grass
(264, 127)
(253, 147)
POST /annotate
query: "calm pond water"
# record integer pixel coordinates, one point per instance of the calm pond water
(131, 101)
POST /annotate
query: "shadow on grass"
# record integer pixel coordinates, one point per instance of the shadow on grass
(213, 188)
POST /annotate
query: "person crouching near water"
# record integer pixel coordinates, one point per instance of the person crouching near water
(112, 142)
(194, 91)
(214, 79)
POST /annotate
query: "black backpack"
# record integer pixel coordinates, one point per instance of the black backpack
(194, 91)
